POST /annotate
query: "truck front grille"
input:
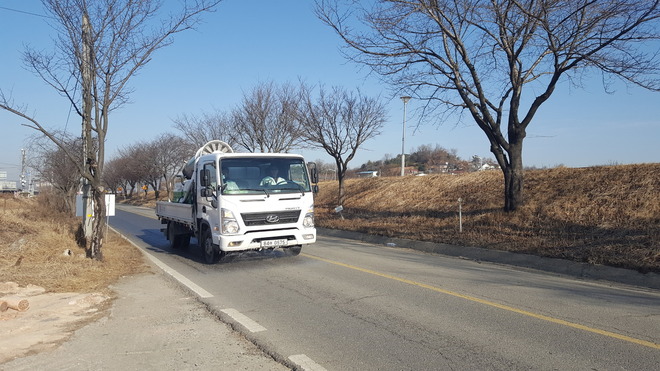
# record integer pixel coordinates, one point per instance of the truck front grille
(271, 218)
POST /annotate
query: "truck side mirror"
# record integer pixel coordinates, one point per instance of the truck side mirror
(204, 177)
(313, 173)
(207, 191)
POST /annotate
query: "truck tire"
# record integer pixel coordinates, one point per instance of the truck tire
(171, 237)
(208, 250)
(177, 241)
(294, 250)
(211, 252)
(185, 241)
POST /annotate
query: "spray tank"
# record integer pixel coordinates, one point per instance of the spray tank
(214, 146)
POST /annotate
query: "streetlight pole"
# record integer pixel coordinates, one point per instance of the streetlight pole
(405, 100)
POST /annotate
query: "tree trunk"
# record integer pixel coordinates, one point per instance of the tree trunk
(340, 199)
(95, 243)
(341, 173)
(513, 179)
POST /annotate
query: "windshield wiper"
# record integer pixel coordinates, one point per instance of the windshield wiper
(257, 189)
(300, 188)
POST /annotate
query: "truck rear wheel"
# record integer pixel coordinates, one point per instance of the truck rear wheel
(177, 241)
(185, 241)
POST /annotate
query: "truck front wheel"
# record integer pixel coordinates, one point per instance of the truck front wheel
(294, 250)
(211, 253)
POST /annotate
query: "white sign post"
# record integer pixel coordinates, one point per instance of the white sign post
(109, 205)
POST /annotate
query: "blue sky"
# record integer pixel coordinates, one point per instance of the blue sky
(246, 42)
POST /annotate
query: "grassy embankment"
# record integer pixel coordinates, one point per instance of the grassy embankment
(602, 215)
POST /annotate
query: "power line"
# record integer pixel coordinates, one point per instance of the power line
(24, 12)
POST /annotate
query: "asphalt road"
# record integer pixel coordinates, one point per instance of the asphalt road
(346, 305)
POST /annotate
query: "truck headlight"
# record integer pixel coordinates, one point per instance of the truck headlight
(308, 221)
(228, 222)
(230, 227)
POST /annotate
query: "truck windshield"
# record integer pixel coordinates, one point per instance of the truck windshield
(249, 175)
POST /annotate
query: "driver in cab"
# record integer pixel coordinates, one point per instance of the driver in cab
(272, 178)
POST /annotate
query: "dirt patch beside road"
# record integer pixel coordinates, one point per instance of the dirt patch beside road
(50, 319)
(40, 262)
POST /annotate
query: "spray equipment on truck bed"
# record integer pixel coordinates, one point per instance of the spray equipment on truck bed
(183, 192)
(214, 146)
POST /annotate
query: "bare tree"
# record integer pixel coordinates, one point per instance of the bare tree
(199, 130)
(326, 170)
(499, 60)
(100, 45)
(266, 120)
(114, 176)
(434, 158)
(143, 160)
(153, 163)
(340, 122)
(171, 153)
(55, 167)
(129, 170)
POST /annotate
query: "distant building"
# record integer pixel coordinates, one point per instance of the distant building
(441, 168)
(8, 186)
(411, 170)
(367, 174)
(488, 167)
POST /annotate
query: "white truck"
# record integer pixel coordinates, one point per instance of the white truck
(232, 203)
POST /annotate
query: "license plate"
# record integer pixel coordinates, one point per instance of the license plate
(274, 243)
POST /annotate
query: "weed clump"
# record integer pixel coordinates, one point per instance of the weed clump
(38, 247)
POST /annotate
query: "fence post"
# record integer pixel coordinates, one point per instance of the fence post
(460, 215)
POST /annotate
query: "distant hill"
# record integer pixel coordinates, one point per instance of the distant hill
(602, 215)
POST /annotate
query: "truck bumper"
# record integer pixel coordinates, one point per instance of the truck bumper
(259, 240)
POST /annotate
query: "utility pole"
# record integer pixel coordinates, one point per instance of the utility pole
(22, 169)
(87, 76)
(405, 100)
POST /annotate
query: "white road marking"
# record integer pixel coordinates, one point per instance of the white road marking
(167, 269)
(244, 320)
(306, 363)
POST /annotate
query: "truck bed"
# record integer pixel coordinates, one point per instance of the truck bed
(182, 213)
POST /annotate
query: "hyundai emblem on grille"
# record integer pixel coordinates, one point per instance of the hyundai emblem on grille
(272, 218)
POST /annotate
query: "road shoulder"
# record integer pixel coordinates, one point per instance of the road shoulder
(153, 324)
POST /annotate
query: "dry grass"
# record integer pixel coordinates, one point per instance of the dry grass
(33, 239)
(602, 215)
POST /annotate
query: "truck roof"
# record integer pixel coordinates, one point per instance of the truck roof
(250, 155)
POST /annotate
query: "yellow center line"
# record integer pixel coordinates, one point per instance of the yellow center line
(493, 304)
